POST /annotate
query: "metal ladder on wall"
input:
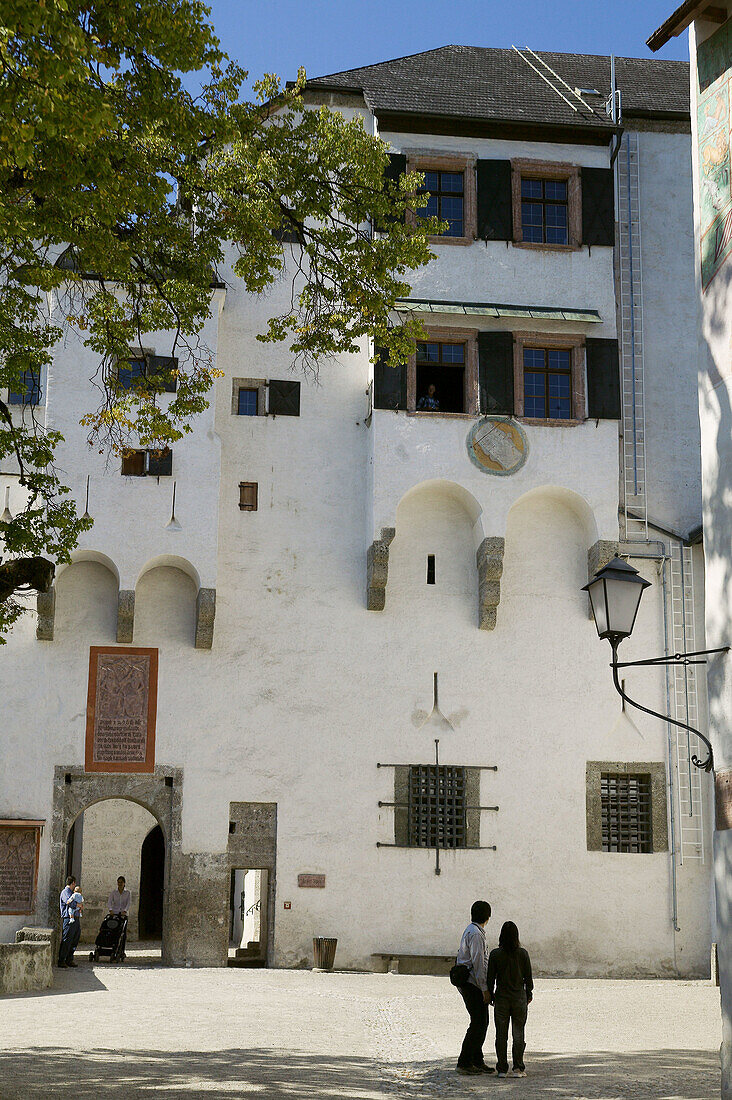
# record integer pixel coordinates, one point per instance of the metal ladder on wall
(630, 284)
(685, 698)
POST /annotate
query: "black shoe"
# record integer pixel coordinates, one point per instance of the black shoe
(72, 964)
(486, 1069)
(471, 1071)
(61, 966)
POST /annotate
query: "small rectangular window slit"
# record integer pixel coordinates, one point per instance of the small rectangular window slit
(430, 569)
(248, 494)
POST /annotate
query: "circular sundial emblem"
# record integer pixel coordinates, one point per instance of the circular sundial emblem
(497, 445)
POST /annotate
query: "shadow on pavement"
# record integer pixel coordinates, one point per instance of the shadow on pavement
(83, 979)
(52, 1071)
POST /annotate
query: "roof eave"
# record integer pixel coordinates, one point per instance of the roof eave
(682, 18)
(426, 122)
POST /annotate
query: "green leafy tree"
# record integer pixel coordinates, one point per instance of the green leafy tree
(124, 197)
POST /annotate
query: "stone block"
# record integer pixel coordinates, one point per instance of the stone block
(205, 614)
(598, 556)
(25, 966)
(39, 935)
(489, 560)
(125, 615)
(377, 570)
(46, 609)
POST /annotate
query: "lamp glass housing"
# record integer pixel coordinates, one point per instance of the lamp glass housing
(615, 594)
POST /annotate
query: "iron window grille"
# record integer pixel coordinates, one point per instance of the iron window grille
(437, 806)
(446, 200)
(544, 211)
(548, 383)
(626, 813)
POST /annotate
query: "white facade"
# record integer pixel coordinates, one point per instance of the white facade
(305, 691)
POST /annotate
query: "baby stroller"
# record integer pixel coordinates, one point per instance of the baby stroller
(111, 939)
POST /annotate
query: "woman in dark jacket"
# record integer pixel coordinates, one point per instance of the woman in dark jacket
(509, 975)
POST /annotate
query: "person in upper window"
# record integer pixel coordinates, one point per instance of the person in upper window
(118, 901)
(429, 402)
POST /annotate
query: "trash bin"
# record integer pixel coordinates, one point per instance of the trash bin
(324, 950)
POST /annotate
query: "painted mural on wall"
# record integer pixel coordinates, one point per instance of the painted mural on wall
(714, 74)
(18, 865)
(121, 709)
(497, 445)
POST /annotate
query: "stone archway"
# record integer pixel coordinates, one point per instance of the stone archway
(75, 790)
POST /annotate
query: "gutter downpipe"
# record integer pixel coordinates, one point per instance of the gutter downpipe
(663, 557)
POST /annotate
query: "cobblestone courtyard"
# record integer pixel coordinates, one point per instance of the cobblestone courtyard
(135, 1031)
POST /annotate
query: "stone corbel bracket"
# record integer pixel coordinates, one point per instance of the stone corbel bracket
(377, 570)
(489, 559)
(598, 556)
(125, 614)
(46, 608)
(205, 615)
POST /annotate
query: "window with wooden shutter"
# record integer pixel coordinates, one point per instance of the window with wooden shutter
(495, 217)
(248, 496)
(390, 383)
(163, 367)
(598, 207)
(495, 373)
(603, 379)
(284, 398)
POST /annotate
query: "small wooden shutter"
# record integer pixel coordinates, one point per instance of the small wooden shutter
(164, 364)
(495, 213)
(160, 463)
(284, 398)
(598, 206)
(133, 464)
(495, 371)
(390, 383)
(248, 496)
(603, 379)
(396, 167)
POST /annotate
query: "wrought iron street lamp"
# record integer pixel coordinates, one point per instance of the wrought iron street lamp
(615, 594)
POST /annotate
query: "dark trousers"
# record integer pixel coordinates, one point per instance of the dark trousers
(510, 1007)
(472, 1050)
(69, 939)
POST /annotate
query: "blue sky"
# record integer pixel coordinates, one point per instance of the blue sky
(327, 35)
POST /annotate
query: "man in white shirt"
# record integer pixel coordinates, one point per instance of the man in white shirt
(119, 900)
(474, 956)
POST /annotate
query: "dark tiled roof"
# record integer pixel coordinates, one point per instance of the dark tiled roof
(475, 82)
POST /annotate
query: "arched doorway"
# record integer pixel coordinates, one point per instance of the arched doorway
(116, 837)
(152, 870)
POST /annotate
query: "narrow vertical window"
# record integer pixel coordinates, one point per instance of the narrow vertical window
(430, 569)
(248, 496)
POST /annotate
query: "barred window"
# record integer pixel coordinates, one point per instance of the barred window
(437, 806)
(626, 813)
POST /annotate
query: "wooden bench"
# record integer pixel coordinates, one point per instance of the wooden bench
(406, 962)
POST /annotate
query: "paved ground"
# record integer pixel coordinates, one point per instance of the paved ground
(134, 1031)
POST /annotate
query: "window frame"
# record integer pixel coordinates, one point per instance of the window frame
(471, 389)
(258, 384)
(146, 452)
(656, 771)
(575, 344)
(23, 402)
(548, 170)
(424, 160)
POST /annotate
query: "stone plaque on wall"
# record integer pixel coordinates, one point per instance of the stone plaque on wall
(723, 800)
(313, 882)
(19, 846)
(121, 709)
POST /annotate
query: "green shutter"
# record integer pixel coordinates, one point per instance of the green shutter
(495, 358)
(390, 383)
(284, 398)
(603, 379)
(396, 167)
(164, 365)
(495, 212)
(598, 206)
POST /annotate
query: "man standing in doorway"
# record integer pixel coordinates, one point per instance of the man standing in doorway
(474, 957)
(70, 929)
(118, 904)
